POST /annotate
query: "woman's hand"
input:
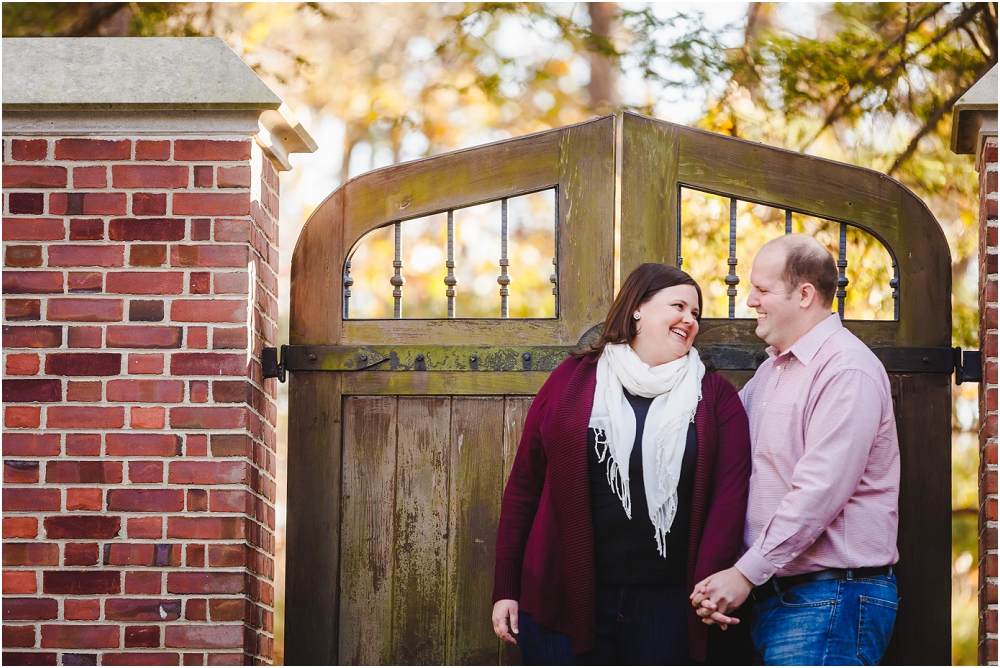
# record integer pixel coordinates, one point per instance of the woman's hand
(505, 620)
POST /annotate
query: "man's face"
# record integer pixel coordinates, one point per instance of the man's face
(777, 308)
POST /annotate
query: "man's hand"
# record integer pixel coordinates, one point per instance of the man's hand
(719, 594)
(505, 620)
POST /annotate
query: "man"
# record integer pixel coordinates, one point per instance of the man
(820, 537)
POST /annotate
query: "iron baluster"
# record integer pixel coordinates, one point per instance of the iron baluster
(503, 279)
(348, 282)
(732, 280)
(397, 279)
(842, 268)
(788, 221)
(450, 280)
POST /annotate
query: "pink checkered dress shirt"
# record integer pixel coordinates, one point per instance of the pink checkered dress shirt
(825, 485)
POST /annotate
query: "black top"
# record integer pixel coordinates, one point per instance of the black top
(626, 549)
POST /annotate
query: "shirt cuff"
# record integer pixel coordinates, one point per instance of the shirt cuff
(755, 567)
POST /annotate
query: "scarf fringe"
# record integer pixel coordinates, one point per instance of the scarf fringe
(618, 486)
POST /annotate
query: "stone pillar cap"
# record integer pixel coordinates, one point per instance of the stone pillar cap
(975, 115)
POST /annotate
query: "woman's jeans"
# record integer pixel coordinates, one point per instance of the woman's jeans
(635, 626)
(844, 622)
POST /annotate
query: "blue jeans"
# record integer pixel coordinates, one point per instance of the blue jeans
(635, 626)
(845, 622)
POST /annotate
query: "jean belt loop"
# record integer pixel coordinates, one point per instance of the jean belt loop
(774, 581)
(850, 574)
(891, 571)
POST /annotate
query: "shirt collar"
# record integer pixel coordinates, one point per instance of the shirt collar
(809, 344)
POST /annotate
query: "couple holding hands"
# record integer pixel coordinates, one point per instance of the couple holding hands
(649, 502)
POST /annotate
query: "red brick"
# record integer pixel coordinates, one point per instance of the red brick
(152, 150)
(145, 363)
(145, 310)
(200, 283)
(146, 391)
(144, 527)
(86, 498)
(201, 229)
(145, 282)
(29, 149)
(82, 610)
(148, 418)
(18, 472)
(22, 309)
(197, 338)
(149, 204)
(83, 445)
(140, 659)
(213, 528)
(93, 149)
(208, 256)
(238, 230)
(81, 582)
(79, 636)
(149, 176)
(37, 282)
(204, 636)
(32, 390)
(147, 255)
(81, 554)
(85, 282)
(86, 472)
(23, 364)
(143, 445)
(45, 336)
(204, 583)
(146, 500)
(142, 610)
(204, 176)
(227, 556)
(26, 203)
(197, 502)
(19, 499)
(226, 610)
(22, 417)
(211, 204)
(30, 445)
(146, 229)
(142, 636)
(194, 659)
(29, 658)
(88, 204)
(234, 177)
(23, 256)
(183, 417)
(143, 554)
(87, 256)
(85, 310)
(60, 527)
(207, 473)
(208, 310)
(86, 417)
(33, 229)
(140, 472)
(198, 391)
(196, 446)
(34, 176)
(30, 554)
(83, 364)
(207, 364)
(86, 229)
(90, 177)
(19, 527)
(30, 608)
(120, 336)
(143, 582)
(84, 391)
(18, 636)
(211, 150)
(196, 610)
(84, 337)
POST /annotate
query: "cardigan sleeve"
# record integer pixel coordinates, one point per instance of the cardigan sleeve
(722, 540)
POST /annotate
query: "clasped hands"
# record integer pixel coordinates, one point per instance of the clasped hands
(719, 594)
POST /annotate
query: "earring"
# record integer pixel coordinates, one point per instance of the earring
(636, 315)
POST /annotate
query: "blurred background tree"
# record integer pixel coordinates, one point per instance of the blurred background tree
(871, 84)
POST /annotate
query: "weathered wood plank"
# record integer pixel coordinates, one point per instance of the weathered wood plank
(429, 383)
(369, 477)
(477, 428)
(515, 412)
(419, 635)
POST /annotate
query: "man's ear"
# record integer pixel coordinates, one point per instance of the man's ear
(807, 295)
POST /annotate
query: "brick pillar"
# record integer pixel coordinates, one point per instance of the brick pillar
(139, 285)
(988, 403)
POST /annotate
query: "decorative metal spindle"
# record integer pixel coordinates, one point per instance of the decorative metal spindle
(554, 279)
(348, 282)
(450, 281)
(788, 221)
(397, 280)
(842, 267)
(680, 259)
(503, 279)
(732, 280)
(894, 284)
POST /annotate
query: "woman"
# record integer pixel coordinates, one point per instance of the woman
(629, 486)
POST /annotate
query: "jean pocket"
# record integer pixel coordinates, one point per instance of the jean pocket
(812, 595)
(877, 618)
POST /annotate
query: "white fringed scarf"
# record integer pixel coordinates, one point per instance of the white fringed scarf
(676, 388)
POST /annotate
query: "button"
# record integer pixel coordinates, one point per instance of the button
(778, 367)
(764, 575)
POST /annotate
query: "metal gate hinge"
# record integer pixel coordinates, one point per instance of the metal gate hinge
(968, 366)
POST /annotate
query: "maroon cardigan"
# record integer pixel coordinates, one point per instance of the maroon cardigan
(545, 541)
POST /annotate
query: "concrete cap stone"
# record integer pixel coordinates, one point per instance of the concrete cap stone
(975, 115)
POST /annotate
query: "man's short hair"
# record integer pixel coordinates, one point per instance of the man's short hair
(806, 261)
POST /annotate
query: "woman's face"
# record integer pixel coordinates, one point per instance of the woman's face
(667, 326)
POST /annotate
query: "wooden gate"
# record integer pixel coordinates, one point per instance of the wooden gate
(402, 432)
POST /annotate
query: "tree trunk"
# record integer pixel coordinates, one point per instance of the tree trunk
(603, 64)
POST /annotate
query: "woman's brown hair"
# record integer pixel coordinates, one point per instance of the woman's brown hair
(640, 286)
